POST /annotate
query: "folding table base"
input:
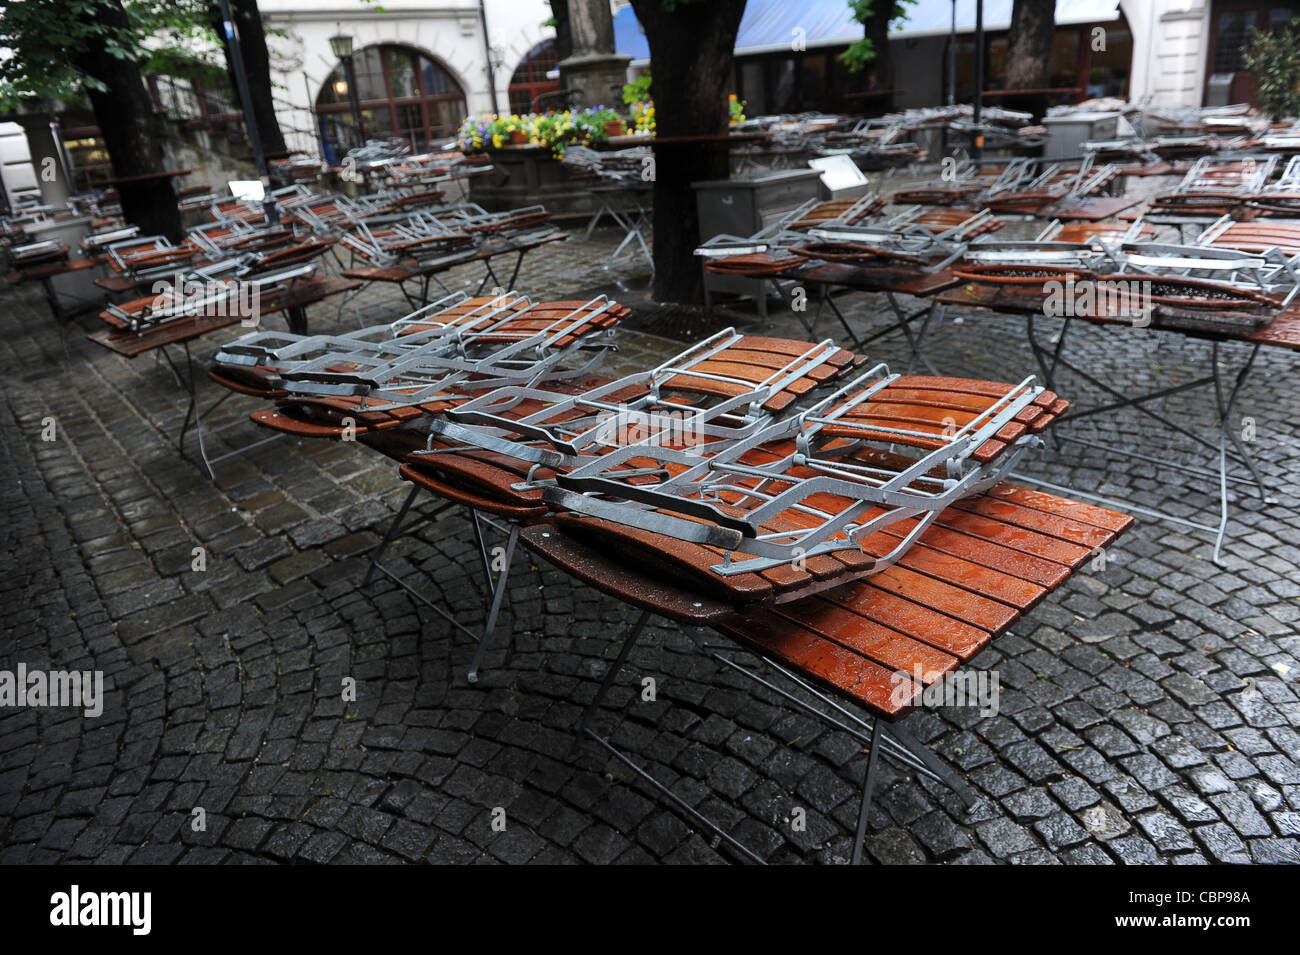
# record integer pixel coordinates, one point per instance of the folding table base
(496, 580)
(194, 416)
(632, 219)
(903, 323)
(879, 736)
(1051, 360)
(1229, 449)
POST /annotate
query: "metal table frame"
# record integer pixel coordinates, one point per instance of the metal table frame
(1051, 360)
(630, 214)
(193, 412)
(880, 736)
(496, 581)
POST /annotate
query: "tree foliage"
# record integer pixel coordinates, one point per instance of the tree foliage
(1274, 58)
(860, 53)
(46, 40)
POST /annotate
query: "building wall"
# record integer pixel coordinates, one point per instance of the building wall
(17, 174)
(449, 31)
(1170, 45)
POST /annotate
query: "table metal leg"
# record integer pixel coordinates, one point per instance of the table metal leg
(1228, 433)
(904, 324)
(194, 413)
(297, 319)
(496, 582)
(868, 781)
(884, 739)
(498, 595)
(519, 261)
(633, 634)
(828, 298)
(1229, 449)
(395, 529)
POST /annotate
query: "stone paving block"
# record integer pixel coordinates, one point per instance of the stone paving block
(1146, 715)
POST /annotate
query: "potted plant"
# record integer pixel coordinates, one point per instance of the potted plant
(555, 130)
(475, 133)
(510, 129)
(637, 96)
(736, 110)
(596, 124)
(1274, 57)
(644, 116)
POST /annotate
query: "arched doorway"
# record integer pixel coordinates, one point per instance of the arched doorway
(529, 80)
(402, 92)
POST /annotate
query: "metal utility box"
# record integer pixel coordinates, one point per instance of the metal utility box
(1068, 132)
(74, 289)
(741, 207)
(1218, 90)
(17, 175)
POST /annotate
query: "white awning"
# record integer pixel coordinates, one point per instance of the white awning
(769, 26)
(934, 17)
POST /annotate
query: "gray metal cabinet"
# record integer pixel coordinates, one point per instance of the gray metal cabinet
(742, 207)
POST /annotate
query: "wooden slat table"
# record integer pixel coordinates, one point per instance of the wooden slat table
(404, 272)
(1088, 209)
(45, 274)
(963, 584)
(484, 482)
(874, 642)
(182, 331)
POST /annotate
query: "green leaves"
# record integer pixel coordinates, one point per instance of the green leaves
(860, 54)
(864, 10)
(638, 91)
(46, 38)
(1274, 58)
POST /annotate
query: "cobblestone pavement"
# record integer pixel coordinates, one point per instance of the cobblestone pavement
(1148, 711)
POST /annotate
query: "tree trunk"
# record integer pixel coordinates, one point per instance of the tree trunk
(691, 51)
(1029, 52)
(879, 72)
(563, 41)
(257, 67)
(125, 116)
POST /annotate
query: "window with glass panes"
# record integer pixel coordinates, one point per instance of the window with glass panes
(529, 80)
(401, 93)
(1233, 21)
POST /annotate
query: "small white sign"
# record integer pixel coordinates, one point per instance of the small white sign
(838, 172)
(247, 189)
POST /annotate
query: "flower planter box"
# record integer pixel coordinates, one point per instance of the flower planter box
(527, 175)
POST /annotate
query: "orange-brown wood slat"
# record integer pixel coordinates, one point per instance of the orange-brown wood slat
(970, 575)
(895, 605)
(1076, 532)
(825, 662)
(1075, 510)
(883, 645)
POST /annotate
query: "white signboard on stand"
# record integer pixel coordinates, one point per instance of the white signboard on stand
(840, 176)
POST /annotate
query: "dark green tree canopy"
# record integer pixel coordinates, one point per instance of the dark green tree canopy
(867, 12)
(47, 39)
